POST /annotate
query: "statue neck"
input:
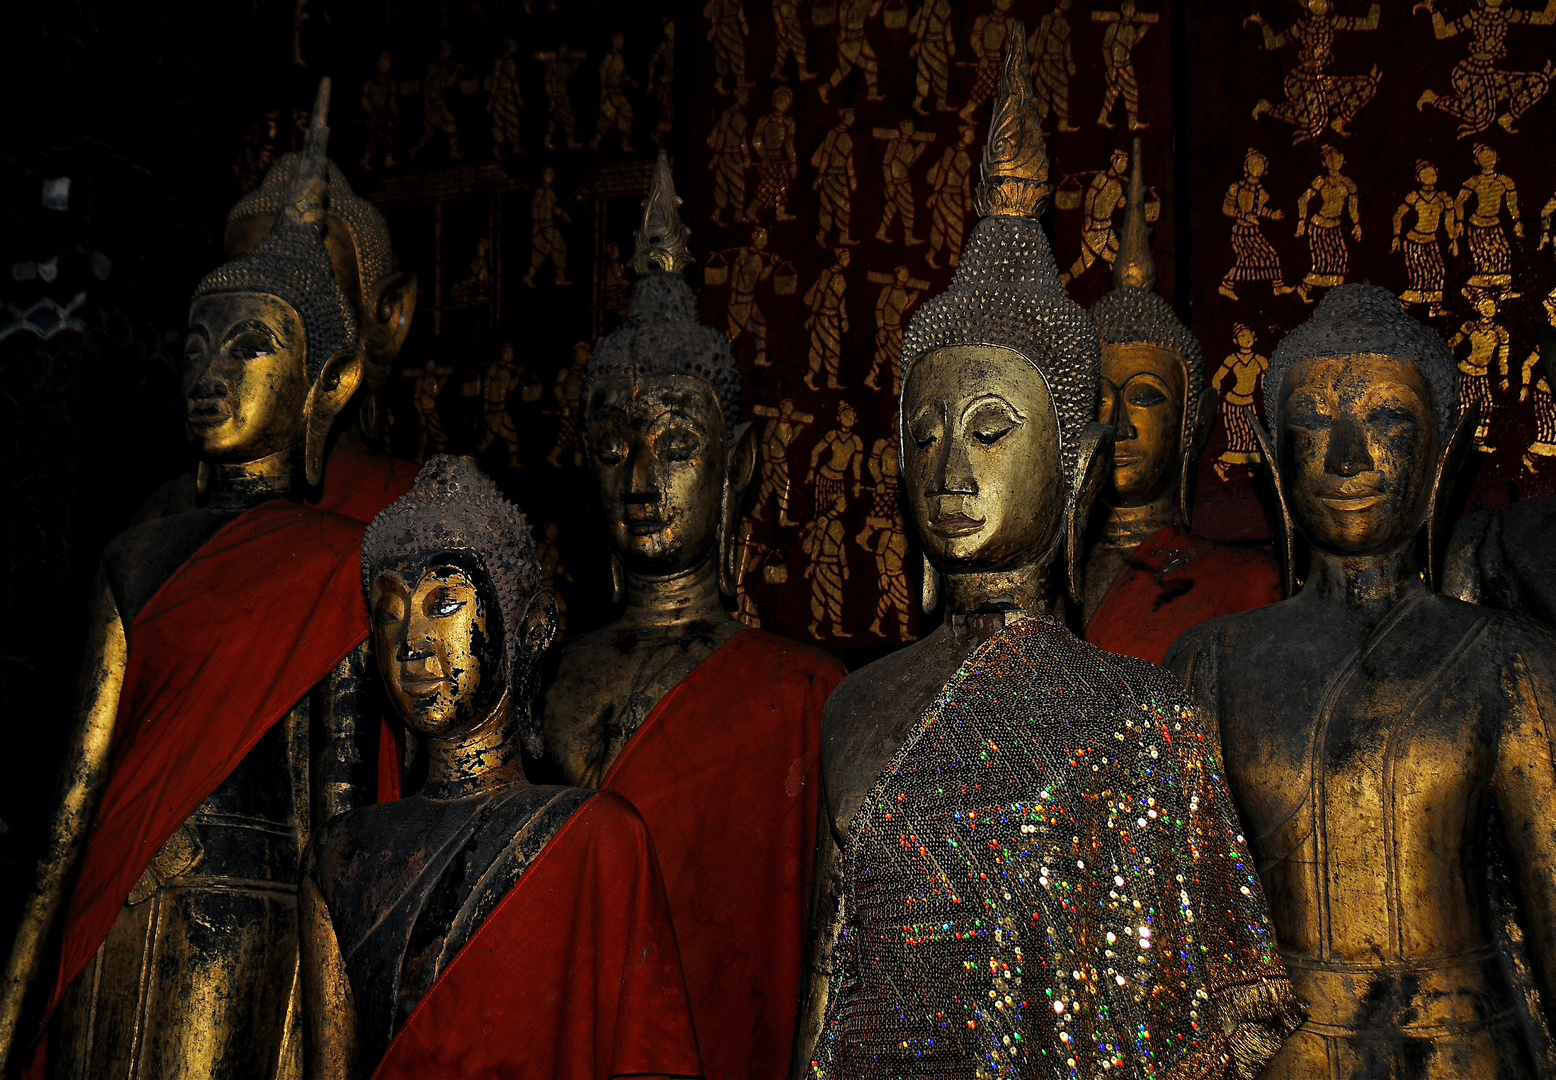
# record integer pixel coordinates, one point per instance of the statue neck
(677, 599)
(1128, 527)
(1368, 585)
(481, 760)
(978, 604)
(241, 485)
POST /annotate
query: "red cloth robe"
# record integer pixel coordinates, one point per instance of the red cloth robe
(240, 633)
(574, 975)
(725, 772)
(1172, 583)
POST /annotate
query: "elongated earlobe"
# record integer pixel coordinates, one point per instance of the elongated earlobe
(1288, 538)
(1448, 465)
(327, 396)
(618, 579)
(1093, 466)
(929, 598)
(737, 477)
(1200, 419)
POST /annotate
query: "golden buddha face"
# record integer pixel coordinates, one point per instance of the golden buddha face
(245, 376)
(436, 646)
(981, 464)
(1357, 450)
(1148, 419)
(657, 444)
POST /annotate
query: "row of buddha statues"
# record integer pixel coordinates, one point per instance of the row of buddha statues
(1247, 825)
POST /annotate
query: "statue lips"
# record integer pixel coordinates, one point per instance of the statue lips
(208, 408)
(645, 518)
(1350, 498)
(957, 524)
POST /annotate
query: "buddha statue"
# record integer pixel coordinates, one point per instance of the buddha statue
(1373, 729)
(710, 729)
(1028, 865)
(481, 898)
(221, 697)
(1147, 579)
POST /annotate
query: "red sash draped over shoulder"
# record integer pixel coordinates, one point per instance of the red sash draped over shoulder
(574, 975)
(237, 636)
(724, 771)
(1174, 582)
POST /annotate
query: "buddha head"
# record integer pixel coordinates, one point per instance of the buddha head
(272, 355)
(1154, 372)
(1001, 454)
(1365, 406)
(459, 617)
(356, 237)
(661, 412)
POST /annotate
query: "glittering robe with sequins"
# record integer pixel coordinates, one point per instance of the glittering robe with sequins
(1049, 880)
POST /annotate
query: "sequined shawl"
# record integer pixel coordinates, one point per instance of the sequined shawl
(1049, 881)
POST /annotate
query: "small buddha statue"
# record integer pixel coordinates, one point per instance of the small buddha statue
(1372, 728)
(1028, 865)
(1147, 579)
(222, 672)
(1501, 558)
(481, 902)
(710, 729)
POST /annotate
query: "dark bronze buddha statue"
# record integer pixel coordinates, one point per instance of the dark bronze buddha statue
(1372, 729)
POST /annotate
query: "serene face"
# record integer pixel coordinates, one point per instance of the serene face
(1148, 420)
(245, 377)
(436, 647)
(981, 465)
(1357, 448)
(657, 445)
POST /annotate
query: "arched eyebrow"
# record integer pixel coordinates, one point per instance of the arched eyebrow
(252, 326)
(996, 399)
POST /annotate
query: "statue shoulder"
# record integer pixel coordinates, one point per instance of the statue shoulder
(141, 559)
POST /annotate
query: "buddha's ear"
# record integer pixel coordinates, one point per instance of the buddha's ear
(390, 304)
(737, 477)
(1288, 532)
(539, 625)
(537, 629)
(328, 395)
(1449, 462)
(1107, 401)
(1198, 421)
(1093, 467)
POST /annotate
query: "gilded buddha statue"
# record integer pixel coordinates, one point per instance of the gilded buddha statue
(481, 901)
(1028, 865)
(1372, 728)
(219, 703)
(710, 729)
(1147, 579)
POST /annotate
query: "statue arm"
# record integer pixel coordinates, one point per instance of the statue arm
(1461, 566)
(330, 1032)
(86, 774)
(343, 769)
(825, 911)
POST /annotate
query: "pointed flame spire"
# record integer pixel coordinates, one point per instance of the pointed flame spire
(1135, 265)
(310, 179)
(1015, 158)
(661, 241)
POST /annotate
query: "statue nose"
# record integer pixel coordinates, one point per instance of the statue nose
(1348, 454)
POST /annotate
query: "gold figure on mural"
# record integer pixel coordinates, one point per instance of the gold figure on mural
(1316, 99)
(549, 556)
(1423, 256)
(789, 36)
(380, 114)
(615, 109)
(835, 180)
(1336, 195)
(854, 49)
(1126, 27)
(904, 146)
(844, 450)
(661, 81)
(885, 537)
(729, 161)
(546, 242)
(898, 293)
(429, 380)
(1544, 444)
(1246, 369)
(568, 392)
(752, 265)
(728, 30)
(823, 543)
(1482, 93)
(1247, 203)
(494, 386)
(1053, 65)
(776, 166)
(441, 77)
(1489, 249)
(932, 49)
(505, 101)
(783, 424)
(1104, 199)
(950, 181)
(828, 321)
(1489, 342)
(560, 63)
(988, 45)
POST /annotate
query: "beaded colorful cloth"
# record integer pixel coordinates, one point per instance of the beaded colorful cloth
(1049, 881)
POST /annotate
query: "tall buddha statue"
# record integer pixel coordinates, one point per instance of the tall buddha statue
(1028, 865)
(220, 700)
(1372, 728)
(710, 729)
(482, 926)
(1147, 579)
